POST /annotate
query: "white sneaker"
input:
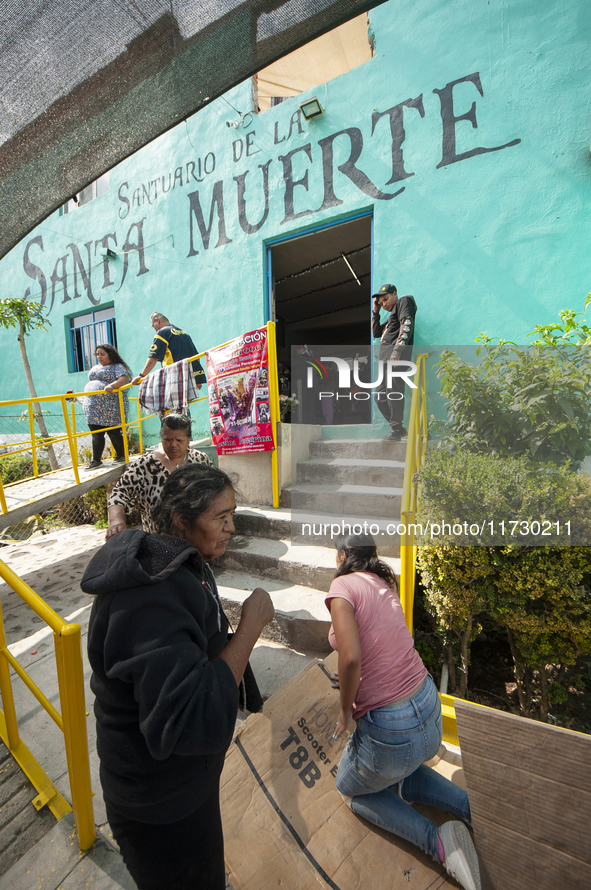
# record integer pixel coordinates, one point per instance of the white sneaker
(461, 859)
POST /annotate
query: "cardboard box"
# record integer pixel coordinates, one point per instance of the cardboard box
(285, 824)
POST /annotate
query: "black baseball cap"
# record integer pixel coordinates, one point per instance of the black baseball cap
(385, 289)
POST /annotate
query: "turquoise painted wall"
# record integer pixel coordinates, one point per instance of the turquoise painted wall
(493, 240)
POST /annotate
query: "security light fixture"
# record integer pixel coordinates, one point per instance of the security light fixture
(311, 108)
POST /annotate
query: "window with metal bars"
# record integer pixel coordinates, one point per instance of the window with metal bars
(87, 332)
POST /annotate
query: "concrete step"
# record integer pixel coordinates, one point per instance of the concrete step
(372, 502)
(301, 619)
(352, 471)
(263, 522)
(278, 524)
(322, 529)
(366, 449)
(309, 566)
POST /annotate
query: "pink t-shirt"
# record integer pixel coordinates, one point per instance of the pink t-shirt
(391, 668)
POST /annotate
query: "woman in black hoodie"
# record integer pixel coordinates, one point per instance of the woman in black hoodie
(166, 682)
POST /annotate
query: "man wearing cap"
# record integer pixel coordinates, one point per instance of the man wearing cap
(171, 344)
(397, 333)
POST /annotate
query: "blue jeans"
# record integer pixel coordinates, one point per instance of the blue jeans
(382, 769)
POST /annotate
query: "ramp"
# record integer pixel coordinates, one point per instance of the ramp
(24, 499)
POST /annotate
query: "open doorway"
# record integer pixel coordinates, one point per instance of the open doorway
(320, 294)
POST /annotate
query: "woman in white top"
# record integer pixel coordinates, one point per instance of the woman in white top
(385, 687)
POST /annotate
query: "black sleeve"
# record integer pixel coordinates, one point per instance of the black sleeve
(156, 641)
(406, 316)
(377, 327)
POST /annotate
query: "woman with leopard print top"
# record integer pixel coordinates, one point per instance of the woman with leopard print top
(144, 478)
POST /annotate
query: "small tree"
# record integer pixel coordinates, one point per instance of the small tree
(16, 312)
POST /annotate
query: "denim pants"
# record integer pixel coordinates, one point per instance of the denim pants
(382, 769)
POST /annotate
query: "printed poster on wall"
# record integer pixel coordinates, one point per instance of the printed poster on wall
(238, 386)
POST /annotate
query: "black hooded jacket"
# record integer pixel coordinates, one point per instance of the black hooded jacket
(165, 704)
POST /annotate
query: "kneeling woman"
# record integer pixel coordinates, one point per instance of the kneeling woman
(385, 687)
(165, 679)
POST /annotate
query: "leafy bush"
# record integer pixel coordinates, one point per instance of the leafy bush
(540, 595)
(511, 499)
(14, 467)
(519, 400)
(543, 599)
(97, 501)
(458, 584)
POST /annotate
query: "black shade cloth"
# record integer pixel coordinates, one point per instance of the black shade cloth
(84, 85)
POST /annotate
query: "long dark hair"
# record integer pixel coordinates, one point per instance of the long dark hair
(188, 492)
(361, 555)
(114, 357)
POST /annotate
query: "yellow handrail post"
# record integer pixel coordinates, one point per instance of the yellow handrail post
(33, 441)
(3, 506)
(73, 421)
(415, 453)
(123, 426)
(139, 427)
(71, 442)
(274, 404)
(6, 692)
(70, 672)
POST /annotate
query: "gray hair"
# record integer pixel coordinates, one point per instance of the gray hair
(179, 422)
(188, 492)
(158, 315)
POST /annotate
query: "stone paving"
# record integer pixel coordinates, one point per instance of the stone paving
(35, 851)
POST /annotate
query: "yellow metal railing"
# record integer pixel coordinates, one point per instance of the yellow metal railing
(68, 651)
(71, 721)
(35, 442)
(415, 456)
(71, 435)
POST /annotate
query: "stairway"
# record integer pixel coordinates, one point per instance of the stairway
(350, 481)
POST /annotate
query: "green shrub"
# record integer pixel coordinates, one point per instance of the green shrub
(519, 400)
(97, 501)
(505, 498)
(540, 595)
(15, 467)
(458, 586)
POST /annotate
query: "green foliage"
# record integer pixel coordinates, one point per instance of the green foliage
(540, 595)
(488, 490)
(572, 329)
(14, 467)
(543, 596)
(97, 501)
(519, 400)
(427, 653)
(16, 311)
(458, 585)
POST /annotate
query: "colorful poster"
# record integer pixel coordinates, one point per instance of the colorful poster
(239, 403)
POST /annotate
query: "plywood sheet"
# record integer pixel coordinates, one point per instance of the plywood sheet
(530, 796)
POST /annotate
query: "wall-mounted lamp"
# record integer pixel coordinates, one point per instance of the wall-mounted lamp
(245, 120)
(311, 108)
(110, 254)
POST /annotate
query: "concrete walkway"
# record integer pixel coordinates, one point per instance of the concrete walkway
(53, 565)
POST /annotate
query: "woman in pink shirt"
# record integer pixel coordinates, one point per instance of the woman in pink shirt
(385, 687)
